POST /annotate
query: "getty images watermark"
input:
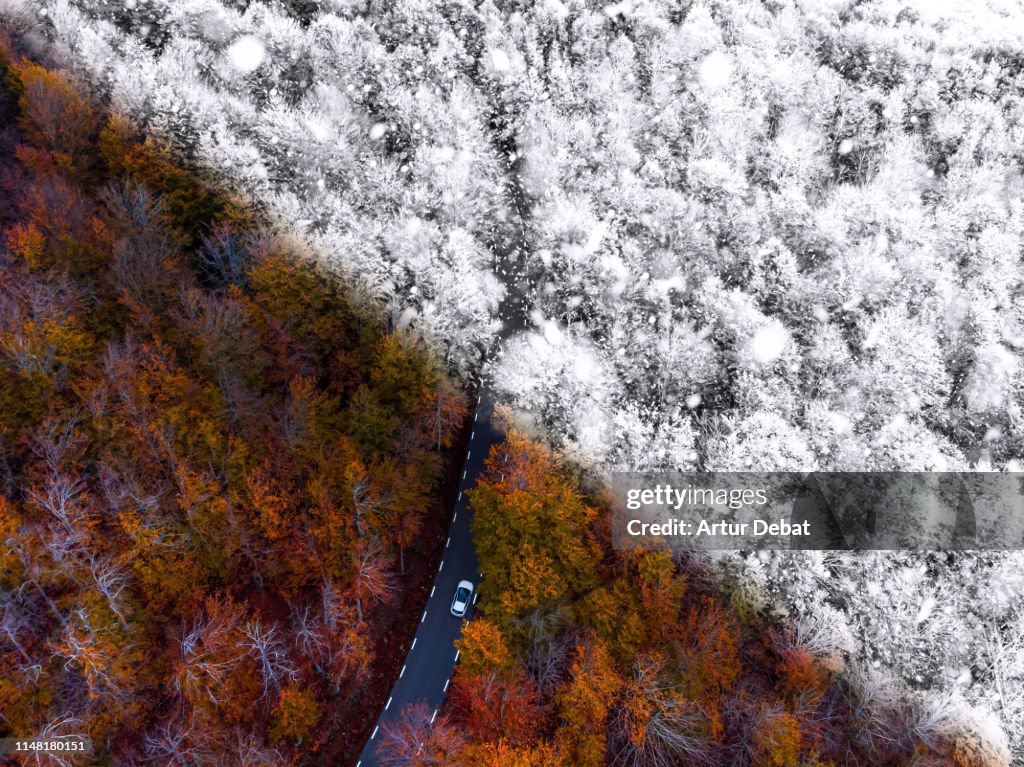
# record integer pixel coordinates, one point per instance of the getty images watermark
(820, 510)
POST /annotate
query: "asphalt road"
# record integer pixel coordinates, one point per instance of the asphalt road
(431, 658)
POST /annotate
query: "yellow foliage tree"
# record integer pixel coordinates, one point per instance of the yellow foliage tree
(483, 648)
(585, 702)
(532, 529)
(776, 740)
(54, 114)
(503, 754)
(295, 713)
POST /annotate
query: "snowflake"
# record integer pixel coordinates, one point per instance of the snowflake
(769, 342)
(715, 71)
(247, 53)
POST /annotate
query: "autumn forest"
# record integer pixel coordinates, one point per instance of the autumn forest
(212, 462)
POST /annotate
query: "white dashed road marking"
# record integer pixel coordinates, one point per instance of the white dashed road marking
(433, 588)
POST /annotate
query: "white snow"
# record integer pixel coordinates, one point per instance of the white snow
(586, 368)
(552, 333)
(618, 9)
(558, 8)
(318, 129)
(840, 423)
(769, 342)
(500, 61)
(596, 235)
(873, 336)
(247, 53)
(715, 70)
(407, 316)
(927, 605)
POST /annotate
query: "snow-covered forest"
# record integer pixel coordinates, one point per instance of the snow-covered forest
(732, 235)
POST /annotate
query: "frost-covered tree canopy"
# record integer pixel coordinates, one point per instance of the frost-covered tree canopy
(789, 234)
(725, 234)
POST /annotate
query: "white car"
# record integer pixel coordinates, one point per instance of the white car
(463, 596)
